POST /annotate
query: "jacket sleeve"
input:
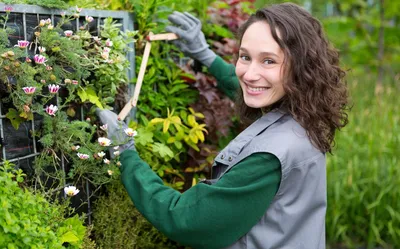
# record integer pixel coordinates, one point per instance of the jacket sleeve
(227, 80)
(205, 216)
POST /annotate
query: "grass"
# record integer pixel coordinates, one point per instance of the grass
(364, 172)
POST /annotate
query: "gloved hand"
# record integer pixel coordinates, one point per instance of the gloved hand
(192, 41)
(117, 131)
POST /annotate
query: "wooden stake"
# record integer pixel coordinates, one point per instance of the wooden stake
(133, 101)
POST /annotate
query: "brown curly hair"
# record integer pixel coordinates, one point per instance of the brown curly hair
(316, 92)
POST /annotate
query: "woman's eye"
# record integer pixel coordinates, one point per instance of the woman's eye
(269, 61)
(244, 57)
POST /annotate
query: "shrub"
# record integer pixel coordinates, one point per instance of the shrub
(118, 224)
(28, 220)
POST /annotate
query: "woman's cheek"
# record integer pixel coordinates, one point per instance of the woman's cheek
(240, 69)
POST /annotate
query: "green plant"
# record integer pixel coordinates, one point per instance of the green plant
(28, 220)
(60, 4)
(118, 224)
(363, 173)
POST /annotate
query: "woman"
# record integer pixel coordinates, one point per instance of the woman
(269, 184)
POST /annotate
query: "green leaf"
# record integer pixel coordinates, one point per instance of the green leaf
(144, 137)
(69, 237)
(90, 95)
(14, 117)
(163, 150)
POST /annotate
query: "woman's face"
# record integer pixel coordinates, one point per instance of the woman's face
(260, 66)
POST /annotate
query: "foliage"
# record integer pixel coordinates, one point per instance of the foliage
(28, 220)
(118, 224)
(360, 20)
(60, 4)
(363, 174)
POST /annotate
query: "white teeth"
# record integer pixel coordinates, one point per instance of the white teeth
(257, 89)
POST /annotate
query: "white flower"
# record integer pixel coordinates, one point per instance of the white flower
(104, 141)
(71, 190)
(116, 153)
(101, 154)
(83, 156)
(104, 127)
(105, 55)
(130, 132)
(42, 49)
(107, 50)
(106, 161)
(110, 172)
(116, 147)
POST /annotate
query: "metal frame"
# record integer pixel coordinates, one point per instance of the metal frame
(127, 21)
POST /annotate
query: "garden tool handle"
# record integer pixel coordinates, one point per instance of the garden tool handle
(165, 36)
(133, 101)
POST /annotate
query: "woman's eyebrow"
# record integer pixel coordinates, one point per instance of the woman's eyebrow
(265, 53)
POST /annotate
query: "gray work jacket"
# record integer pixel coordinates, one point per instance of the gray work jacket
(295, 218)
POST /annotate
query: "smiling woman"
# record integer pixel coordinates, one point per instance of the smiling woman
(268, 186)
(259, 67)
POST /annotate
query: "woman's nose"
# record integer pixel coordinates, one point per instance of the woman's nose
(252, 73)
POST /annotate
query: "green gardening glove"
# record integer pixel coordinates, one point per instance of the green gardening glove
(117, 131)
(192, 41)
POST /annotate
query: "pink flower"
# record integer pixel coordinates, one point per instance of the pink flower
(28, 60)
(29, 90)
(68, 33)
(75, 82)
(106, 50)
(8, 9)
(54, 88)
(39, 59)
(89, 19)
(78, 9)
(22, 44)
(43, 81)
(83, 156)
(42, 23)
(51, 110)
(109, 43)
(48, 21)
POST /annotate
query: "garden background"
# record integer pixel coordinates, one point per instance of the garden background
(182, 121)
